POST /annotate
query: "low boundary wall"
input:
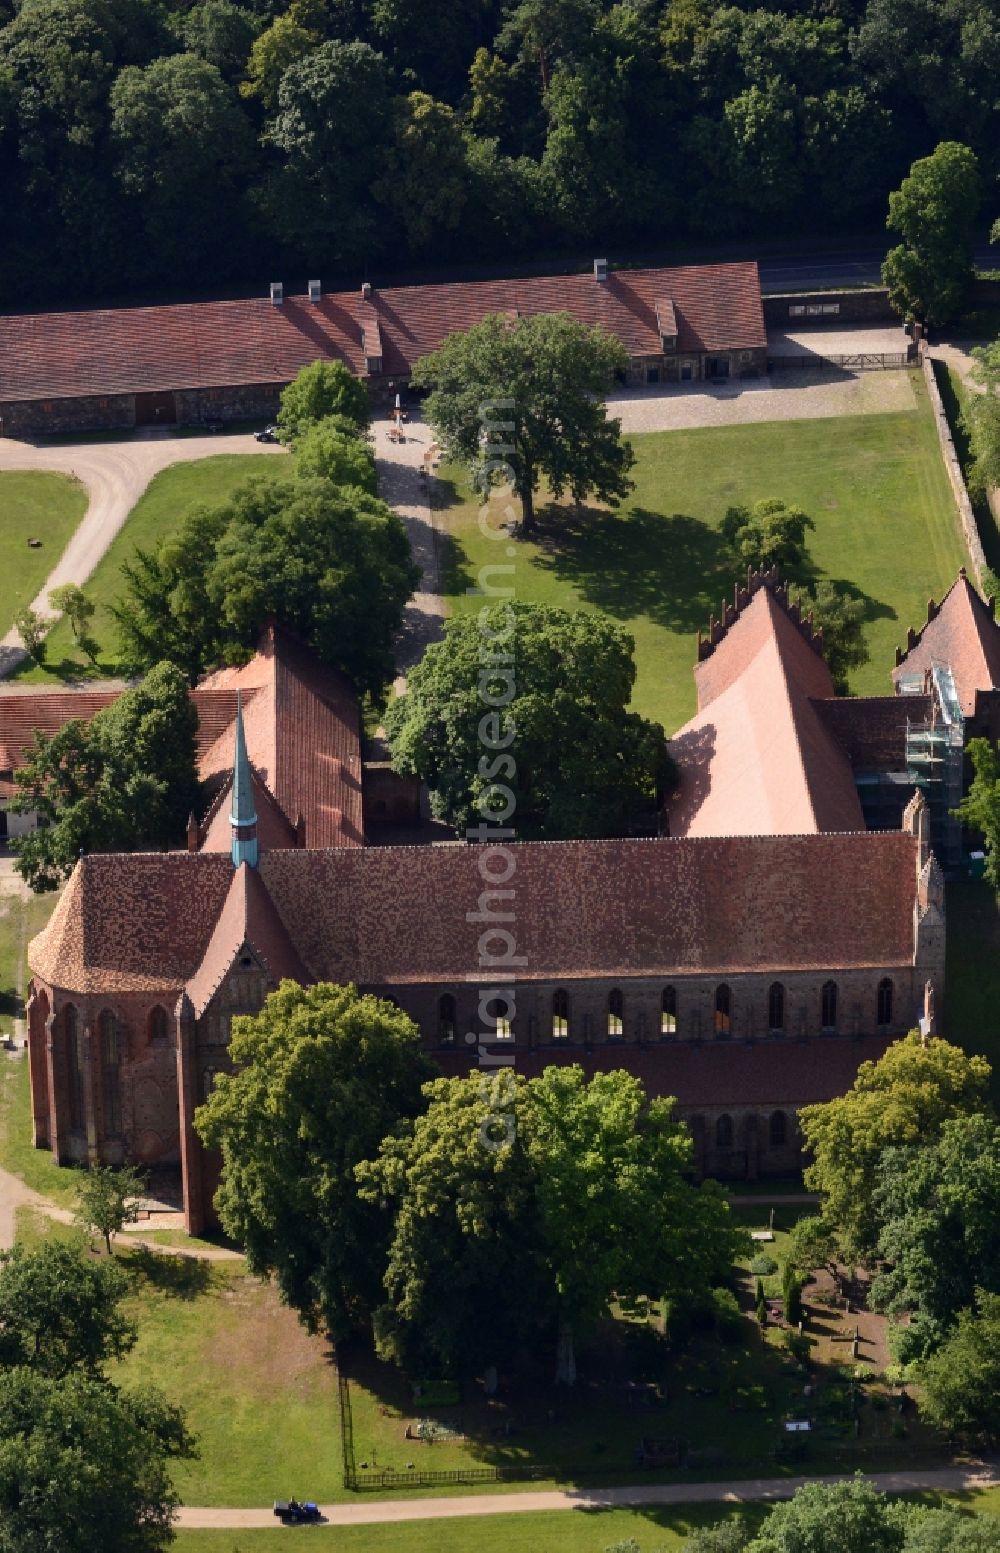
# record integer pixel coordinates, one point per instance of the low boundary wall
(966, 515)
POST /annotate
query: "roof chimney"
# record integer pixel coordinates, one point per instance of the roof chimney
(366, 291)
(277, 293)
(600, 269)
(315, 290)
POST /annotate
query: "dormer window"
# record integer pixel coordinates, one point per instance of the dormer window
(666, 323)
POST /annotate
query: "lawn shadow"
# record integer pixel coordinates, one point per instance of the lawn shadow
(673, 569)
(179, 1277)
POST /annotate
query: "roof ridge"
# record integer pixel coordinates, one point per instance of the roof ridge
(768, 579)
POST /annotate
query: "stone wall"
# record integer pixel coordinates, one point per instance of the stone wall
(967, 517)
(246, 402)
(35, 417)
(863, 306)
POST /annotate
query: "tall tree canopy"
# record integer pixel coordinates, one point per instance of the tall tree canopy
(980, 808)
(538, 1200)
(125, 779)
(937, 1203)
(533, 388)
(331, 562)
(903, 1099)
(321, 391)
(935, 210)
(521, 715)
(322, 1075)
(960, 1381)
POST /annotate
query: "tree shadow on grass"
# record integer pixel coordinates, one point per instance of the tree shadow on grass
(673, 569)
(179, 1277)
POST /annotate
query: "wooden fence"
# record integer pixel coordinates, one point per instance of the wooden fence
(861, 361)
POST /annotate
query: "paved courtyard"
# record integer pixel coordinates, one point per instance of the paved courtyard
(791, 395)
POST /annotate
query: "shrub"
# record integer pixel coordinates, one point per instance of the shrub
(763, 1265)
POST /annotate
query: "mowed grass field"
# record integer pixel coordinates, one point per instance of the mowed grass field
(169, 497)
(874, 485)
(33, 505)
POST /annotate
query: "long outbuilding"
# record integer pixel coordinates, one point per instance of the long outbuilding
(196, 362)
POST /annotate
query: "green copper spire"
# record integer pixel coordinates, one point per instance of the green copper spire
(243, 814)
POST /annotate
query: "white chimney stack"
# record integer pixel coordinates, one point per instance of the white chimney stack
(366, 291)
(277, 293)
(600, 269)
(315, 291)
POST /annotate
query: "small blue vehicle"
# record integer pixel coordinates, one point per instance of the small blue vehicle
(296, 1512)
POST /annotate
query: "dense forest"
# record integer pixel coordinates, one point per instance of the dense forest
(150, 145)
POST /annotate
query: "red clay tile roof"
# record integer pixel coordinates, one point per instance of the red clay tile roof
(26, 709)
(274, 829)
(303, 737)
(247, 918)
(773, 1073)
(218, 344)
(756, 759)
(964, 635)
(384, 915)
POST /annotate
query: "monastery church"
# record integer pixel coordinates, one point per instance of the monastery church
(787, 925)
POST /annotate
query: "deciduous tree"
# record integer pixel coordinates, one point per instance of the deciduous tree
(960, 1382)
(902, 1099)
(935, 210)
(980, 808)
(540, 383)
(108, 1198)
(60, 1310)
(770, 533)
(333, 449)
(319, 392)
(322, 1076)
(523, 714)
(83, 1466)
(127, 778)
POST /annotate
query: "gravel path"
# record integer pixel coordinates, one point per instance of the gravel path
(115, 475)
(781, 396)
(369, 1512)
(404, 481)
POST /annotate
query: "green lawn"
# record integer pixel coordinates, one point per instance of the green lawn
(168, 498)
(259, 1393)
(875, 486)
(34, 505)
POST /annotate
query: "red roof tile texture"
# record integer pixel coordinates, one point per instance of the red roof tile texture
(25, 711)
(303, 736)
(757, 759)
(389, 915)
(220, 344)
(247, 919)
(964, 635)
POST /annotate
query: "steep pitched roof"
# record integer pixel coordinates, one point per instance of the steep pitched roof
(212, 344)
(961, 632)
(757, 759)
(248, 918)
(303, 738)
(380, 915)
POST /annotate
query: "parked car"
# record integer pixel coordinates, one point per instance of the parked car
(269, 434)
(296, 1512)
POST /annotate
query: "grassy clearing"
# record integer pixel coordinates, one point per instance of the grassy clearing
(259, 1393)
(874, 485)
(169, 497)
(555, 1531)
(34, 505)
(20, 920)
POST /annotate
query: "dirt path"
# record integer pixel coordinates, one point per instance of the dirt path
(369, 1512)
(115, 475)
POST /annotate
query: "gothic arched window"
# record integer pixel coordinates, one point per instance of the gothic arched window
(668, 1011)
(723, 1011)
(446, 1019)
(560, 1014)
(724, 1132)
(616, 1014)
(778, 1130)
(159, 1025)
(776, 1008)
(74, 1067)
(828, 1006)
(111, 1065)
(884, 1006)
